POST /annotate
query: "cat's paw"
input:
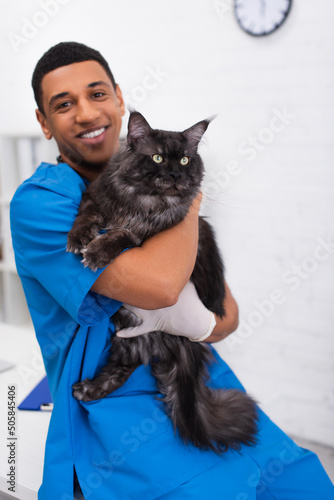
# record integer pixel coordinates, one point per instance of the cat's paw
(82, 391)
(97, 254)
(73, 244)
(79, 237)
(76, 244)
(91, 390)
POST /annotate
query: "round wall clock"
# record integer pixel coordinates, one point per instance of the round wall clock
(261, 17)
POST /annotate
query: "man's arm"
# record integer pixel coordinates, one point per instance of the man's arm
(153, 275)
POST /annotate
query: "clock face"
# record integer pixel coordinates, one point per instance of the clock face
(261, 17)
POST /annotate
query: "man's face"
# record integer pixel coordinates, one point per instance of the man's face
(83, 113)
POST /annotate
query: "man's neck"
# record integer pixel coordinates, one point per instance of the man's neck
(89, 173)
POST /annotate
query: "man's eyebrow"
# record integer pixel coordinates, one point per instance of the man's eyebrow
(56, 97)
(64, 94)
(96, 84)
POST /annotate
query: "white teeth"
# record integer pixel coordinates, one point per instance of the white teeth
(93, 134)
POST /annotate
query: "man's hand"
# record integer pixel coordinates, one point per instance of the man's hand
(187, 318)
(222, 328)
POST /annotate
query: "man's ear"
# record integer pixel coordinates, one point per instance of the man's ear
(119, 96)
(43, 123)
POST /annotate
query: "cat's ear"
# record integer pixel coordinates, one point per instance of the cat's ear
(195, 133)
(138, 128)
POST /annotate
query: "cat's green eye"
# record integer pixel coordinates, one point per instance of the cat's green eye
(157, 158)
(184, 160)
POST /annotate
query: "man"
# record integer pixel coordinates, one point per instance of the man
(124, 446)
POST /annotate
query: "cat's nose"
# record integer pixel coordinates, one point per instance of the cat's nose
(175, 175)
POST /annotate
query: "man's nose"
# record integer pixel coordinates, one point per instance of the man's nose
(86, 112)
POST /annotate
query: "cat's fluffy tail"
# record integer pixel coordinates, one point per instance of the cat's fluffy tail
(211, 419)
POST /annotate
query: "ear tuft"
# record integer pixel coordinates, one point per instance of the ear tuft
(138, 128)
(195, 133)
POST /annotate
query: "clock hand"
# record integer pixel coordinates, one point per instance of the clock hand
(263, 8)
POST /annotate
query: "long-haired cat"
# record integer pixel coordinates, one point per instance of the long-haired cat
(148, 187)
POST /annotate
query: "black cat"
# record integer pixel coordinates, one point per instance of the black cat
(148, 187)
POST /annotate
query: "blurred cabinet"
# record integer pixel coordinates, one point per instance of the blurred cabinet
(19, 157)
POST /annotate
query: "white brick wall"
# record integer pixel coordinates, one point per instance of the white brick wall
(270, 216)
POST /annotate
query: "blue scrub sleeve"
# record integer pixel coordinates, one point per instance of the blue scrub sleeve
(40, 221)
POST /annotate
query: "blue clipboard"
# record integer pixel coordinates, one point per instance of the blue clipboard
(39, 399)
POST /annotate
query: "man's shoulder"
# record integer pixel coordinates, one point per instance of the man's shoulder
(51, 180)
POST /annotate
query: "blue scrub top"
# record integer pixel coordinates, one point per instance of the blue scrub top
(122, 446)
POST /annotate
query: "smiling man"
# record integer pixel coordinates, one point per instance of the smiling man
(87, 141)
(123, 446)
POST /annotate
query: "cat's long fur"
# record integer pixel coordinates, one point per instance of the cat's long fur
(132, 199)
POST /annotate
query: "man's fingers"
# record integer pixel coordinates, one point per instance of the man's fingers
(127, 333)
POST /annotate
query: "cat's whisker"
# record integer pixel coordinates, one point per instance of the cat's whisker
(215, 205)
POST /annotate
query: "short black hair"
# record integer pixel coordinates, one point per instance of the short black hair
(62, 54)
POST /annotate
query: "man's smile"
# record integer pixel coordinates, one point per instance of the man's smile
(93, 135)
